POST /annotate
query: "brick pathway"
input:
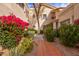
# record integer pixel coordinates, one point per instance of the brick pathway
(44, 48)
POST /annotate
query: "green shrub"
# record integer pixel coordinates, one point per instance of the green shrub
(56, 33)
(49, 33)
(10, 35)
(25, 33)
(41, 31)
(11, 31)
(24, 47)
(69, 35)
(31, 32)
(31, 29)
(7, 40)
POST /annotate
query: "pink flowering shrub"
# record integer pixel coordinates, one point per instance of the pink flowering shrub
(9, 20)
(76, 22)
(11, 30)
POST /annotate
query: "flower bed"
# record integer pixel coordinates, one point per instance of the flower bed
(12, 30)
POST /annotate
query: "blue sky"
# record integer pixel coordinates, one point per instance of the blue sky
(30, 5)
(59, 4)
(53, 4)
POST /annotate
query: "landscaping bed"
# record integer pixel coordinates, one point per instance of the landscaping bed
(68, 37)
(15, 37)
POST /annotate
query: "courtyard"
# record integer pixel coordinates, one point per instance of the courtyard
(39, 29)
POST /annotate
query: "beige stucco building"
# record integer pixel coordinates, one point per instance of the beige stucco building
(32, 17)
(68, 14)
(49, 15)
(16, 9)
(45, 16)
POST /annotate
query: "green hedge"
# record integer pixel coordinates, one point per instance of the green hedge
(69, 35)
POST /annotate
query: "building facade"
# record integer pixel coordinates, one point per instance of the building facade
(44, 16)
(13, 8)
(47, 15)
(68, 14)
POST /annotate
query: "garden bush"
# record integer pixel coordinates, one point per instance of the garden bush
(7, 40)
(56, 33)
(11, 31)
(41, 31)
(49, 33)
(15, 35)
(76, 21)
(24, 47)
(69, 35)
(31, 32)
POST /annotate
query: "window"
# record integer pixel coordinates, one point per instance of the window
(65, 22)
(44, 16)
(53, 15)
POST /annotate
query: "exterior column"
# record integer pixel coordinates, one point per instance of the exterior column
(54, 25)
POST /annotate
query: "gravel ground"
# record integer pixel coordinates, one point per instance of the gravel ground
(66, 50)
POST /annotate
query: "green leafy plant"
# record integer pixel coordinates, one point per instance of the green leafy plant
(11, 31)
(41, 31)
(25, 46)
(31, 32)
(49, 33)
(69, 35)
(7, 40)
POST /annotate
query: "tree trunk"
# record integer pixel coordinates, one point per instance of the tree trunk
(37, 11)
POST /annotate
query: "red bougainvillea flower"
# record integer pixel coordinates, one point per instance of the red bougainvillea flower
(17, 22)
(12, 19)
(76, 22)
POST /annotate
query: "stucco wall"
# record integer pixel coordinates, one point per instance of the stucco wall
(70, 12)
(47, 20)
(76, 11)
(47, 12)
(66, 15)
(4, 10)
(7, 8)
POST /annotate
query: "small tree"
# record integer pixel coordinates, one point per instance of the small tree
(37, 8)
